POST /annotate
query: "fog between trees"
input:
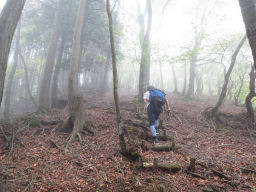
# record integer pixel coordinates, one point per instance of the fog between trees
(179, 47)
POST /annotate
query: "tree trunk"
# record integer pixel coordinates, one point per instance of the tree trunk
(145, 50)
(75, 102)
(185, 79)
(229, 92)
(249, 107)
(237, 95)
(192, 70)
(44, 97)
(27, 85)
(174, 80)
(191, 84)
(56, 73)
(74, 62)
(214, 110)
(249, 16)
(199, 84)
(104, 85)
(122, 142)
(161, 76)
(9, 18)
(11, 76)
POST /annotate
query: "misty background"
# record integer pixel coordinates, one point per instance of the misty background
(176, 27)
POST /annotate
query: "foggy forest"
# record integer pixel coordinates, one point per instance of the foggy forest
(127, 95)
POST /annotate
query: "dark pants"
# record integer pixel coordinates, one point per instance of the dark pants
(153, 113)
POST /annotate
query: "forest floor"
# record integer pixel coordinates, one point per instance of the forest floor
(222, 152)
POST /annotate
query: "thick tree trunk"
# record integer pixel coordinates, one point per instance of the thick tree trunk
(214, 110)
(74, 62)
(145, 50)
(11, 76)
(249, 107)
(9, 18)
(248, 9)
(44, 97)
(75, 102)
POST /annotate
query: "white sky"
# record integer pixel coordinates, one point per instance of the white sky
(176, 29)
(2, 2)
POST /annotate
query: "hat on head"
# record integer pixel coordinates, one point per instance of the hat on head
(150, 87)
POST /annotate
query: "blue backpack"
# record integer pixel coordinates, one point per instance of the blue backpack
(157, 97)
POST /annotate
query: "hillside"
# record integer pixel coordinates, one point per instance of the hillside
(35, 161)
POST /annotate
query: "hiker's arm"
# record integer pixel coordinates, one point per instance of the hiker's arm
(168, 105)
(145, 104)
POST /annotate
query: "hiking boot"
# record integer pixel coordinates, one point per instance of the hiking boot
(156, 141)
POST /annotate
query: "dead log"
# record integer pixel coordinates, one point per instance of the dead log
(169, 147)
(162, 166)
(207, 190)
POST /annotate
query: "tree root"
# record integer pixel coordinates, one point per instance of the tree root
(75, 121)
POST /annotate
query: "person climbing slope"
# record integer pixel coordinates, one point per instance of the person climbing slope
(154, 101)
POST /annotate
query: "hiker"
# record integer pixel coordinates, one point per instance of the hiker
(154, 100)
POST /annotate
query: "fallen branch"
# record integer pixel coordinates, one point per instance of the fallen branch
(232, 183)
(248, 170)
(175, 116)
(221, 175)
(197, 176)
